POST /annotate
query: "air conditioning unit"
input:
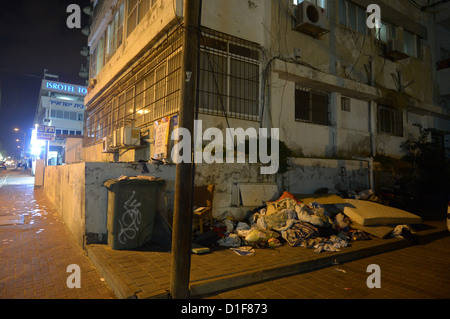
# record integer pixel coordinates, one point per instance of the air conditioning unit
(311, 19)
(107, 143)
(395, 50)
(127, 136)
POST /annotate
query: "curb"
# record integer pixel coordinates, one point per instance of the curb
(227, 282)
(117, 285)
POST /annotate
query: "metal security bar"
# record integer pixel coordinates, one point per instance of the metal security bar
(229, 76)
(229, 85)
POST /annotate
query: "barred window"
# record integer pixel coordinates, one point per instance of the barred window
(229, 77)
(390, 121)
(311, 106)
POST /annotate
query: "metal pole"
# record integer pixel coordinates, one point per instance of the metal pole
(182, 221)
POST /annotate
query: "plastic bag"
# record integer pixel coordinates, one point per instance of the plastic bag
(232, 240)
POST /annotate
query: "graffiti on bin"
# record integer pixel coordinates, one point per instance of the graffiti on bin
(131, 218)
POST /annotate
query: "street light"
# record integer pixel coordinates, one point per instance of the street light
(23, 140)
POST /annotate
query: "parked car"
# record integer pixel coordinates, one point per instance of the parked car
(2, 166)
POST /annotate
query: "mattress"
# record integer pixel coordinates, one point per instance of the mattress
(368, 213)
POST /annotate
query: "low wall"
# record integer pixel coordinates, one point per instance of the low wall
(79, 194)
(64, 186)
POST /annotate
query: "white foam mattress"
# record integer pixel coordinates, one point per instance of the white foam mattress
(368, 213)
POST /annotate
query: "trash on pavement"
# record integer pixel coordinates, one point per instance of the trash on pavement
(317, 222)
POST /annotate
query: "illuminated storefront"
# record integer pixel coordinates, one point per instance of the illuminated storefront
(60, 105)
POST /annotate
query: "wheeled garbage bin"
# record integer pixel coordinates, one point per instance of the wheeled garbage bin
(131, 212)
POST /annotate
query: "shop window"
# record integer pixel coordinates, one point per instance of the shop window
(311, 106)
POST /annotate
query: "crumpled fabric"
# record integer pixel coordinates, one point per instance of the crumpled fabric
(342, 222)
(403, 231)
(278, 220)
(232, 240)
(334, 243)
(298, 232)
(313, 213)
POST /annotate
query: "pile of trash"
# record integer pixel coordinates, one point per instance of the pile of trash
(284, 221)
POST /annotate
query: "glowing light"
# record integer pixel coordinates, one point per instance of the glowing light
(36, 145)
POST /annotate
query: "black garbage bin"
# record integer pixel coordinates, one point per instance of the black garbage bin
(131, 212)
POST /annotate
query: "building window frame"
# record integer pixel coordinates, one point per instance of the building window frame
(229, 77)
(390, 121)
(353, 16)
(312, 106)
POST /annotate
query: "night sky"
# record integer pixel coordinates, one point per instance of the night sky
(33, 37)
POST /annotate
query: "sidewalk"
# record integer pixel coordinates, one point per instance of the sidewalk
(146, 274)
(36, 250)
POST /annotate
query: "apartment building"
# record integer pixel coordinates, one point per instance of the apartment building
(334, 87)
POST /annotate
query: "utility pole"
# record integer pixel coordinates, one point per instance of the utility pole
(182, 219)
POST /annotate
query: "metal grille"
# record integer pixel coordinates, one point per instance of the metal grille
(229, 85)
(139, 99)
(312, 106)
(229, 76)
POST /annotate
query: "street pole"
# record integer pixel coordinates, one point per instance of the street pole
(182, 219)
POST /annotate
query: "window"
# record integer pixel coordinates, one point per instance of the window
(137, 9)
(353, 16)
(80, 117)
(345, 104)
(58, 132)
(229, 78)
(320, 3)
(311, 106)
(386, 32)
(412, 44)
(390, 121)
(65, 132)
(115, 32)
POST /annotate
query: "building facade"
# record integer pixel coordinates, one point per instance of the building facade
(335, 88)
(61, 105)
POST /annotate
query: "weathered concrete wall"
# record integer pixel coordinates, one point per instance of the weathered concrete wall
(306, 175)
(64, 186)
(224, 176)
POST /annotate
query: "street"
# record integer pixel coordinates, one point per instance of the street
(15, 176)
(416, 272)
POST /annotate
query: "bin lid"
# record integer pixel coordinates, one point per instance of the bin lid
(133, 179)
